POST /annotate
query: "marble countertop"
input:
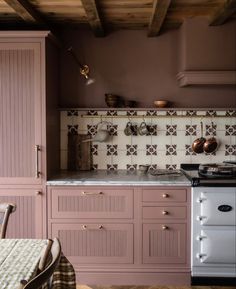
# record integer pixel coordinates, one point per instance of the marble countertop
(120, 178)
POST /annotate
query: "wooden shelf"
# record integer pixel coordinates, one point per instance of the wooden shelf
(187, 78)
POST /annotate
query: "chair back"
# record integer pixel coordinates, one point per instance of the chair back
(5, 210)
(45, 276)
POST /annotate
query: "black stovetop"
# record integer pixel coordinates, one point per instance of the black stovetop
(197, 180)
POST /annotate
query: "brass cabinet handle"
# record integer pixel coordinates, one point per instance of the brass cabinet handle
(85, 227)
(165, 213)
(92, 193)
(37, 172)
(165, 227)
(38, 193)
(165, 195)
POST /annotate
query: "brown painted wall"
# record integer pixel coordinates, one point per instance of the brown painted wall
(130, 64)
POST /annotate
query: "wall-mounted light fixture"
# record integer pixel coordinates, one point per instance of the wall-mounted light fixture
(83, 68)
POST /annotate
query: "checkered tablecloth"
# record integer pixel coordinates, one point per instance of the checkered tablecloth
(19, 260)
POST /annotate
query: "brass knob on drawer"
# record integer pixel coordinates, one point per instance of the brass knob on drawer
(165, 213)
(165, 196)
(84, 227)
(38, 193)
(164, 227)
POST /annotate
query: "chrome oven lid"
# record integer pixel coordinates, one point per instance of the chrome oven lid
(217, 170)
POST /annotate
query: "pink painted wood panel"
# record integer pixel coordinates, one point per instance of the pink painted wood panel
(26, 221)
(164, 212)
(164, 246)
(20, 112)
(96, 243)
(164, 195)
(91, 203)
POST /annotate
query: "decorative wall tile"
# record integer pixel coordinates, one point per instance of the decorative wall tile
(171, 167)
(131, 168)
(230, 130)
(189, 151)
(131, 149)
(191, 130)
(72, 113)
(152, 167)
(171, 129)
(230, 150)
(211, 129)
(152, 129)
(73, 129)
(167, 144)
(171, 150)
(92, 129)
(94, 149)
(151, 150)
(112, 167)
(112, 150)
(95, 167)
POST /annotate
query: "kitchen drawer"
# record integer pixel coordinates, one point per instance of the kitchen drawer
(96, 243)
(164, 212)
(164, 195)
(91, 203)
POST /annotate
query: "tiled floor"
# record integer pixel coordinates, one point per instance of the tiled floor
(152, 287)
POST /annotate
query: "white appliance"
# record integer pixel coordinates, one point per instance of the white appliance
(213, 232)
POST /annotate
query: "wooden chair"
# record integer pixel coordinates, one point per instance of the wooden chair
(5, 210)
(45, 276)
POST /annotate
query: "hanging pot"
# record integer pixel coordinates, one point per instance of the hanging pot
(211, 144)
(198, 144)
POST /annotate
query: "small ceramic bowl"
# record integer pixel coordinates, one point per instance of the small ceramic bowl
(143, 168)
(161, 103)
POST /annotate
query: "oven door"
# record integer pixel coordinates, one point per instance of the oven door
(218, 207)
(218, 246)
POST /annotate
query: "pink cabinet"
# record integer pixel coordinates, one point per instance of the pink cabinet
(21, 112)
(164, 243)
(89, 202)
(27, 220)
(29, 126)
(96, 243)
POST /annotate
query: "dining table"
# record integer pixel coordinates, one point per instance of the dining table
(19, 260)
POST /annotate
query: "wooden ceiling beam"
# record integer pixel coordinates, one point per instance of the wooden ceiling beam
(223, 13)
(25, 10)
(160, 8)
(91, 10)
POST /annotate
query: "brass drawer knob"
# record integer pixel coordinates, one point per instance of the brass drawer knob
(164, 227)
(38, 193)
(165, 196)
(165, 213)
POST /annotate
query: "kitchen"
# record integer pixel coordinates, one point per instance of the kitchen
(117, 201)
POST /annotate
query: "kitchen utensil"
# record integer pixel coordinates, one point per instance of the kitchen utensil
(143, 168)
(160, 103)
(102, 134)
(211, 144)
(79, 152)
(198, 144)
(143, 129)
(162, 172)
(128, 129)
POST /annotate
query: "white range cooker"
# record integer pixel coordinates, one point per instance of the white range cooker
(213, 238)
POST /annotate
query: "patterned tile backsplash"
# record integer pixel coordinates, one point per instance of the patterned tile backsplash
(166, 145)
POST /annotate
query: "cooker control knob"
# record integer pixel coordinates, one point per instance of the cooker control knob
(199, 238)
(199, 218)
(199, 200)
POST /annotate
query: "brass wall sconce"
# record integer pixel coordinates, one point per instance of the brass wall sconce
(83, 68)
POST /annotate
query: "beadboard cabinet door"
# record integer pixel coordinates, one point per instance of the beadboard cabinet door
(164, 243)
(20, 111)
(27, 220)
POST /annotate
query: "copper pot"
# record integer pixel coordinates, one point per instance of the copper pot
(211, 144)
(198, 144)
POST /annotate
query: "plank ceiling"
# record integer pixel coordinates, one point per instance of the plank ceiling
(104, 16)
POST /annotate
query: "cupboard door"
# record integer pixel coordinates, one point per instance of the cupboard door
(91, 203)
(164, 244)
(26, 221)
(96, 243)
(20, 110)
